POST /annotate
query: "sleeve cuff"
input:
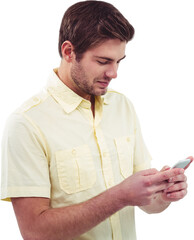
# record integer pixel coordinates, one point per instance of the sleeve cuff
(15, 192)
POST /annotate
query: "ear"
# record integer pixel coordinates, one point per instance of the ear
(67, 51)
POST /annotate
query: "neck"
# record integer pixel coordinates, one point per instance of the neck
(92, 100)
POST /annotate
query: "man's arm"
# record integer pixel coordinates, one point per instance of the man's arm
(38, 221)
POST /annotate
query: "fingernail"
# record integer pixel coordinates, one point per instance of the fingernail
(167, 168)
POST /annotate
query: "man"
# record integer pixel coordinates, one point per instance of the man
(74, 163)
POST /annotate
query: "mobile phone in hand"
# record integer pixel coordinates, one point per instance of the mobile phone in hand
(183, 163)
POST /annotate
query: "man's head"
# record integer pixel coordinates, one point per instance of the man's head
(92, 41)
(89, 23)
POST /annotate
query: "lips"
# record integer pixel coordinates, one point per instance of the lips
(103, 84)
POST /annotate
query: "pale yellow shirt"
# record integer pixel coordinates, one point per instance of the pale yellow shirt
(53, 147)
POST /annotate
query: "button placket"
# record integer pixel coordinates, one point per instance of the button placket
(107, 171)
(116, 226)
(106, 160)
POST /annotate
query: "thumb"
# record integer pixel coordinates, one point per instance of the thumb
(165, 168)
(150, 171)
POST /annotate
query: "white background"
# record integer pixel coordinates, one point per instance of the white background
(157, 76)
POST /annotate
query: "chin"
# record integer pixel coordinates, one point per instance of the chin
(100, 92)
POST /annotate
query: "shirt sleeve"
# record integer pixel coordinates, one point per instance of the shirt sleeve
(24, 162)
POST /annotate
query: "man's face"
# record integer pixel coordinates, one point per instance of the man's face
(98, 66)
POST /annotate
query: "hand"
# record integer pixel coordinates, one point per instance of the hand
(179, 188)
(177, 191)
(140, 188)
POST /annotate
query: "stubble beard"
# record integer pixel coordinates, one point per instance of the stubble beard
(81, 81)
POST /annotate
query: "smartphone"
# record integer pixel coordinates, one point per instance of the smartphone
(183, 163)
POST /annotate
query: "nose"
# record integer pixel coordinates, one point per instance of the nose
(112, 71)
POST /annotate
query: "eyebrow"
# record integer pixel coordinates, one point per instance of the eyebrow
(109, 59)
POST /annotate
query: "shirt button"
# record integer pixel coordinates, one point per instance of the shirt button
(74, 152)
(36, 99)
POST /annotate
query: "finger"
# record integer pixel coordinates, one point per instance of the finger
(175, 196)
(150, 171)
(163, 186)
(166, 175)
(176, 187)
(192, 159)
(165, 168)
(178, 178)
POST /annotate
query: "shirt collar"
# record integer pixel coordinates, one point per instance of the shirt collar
(67, 98)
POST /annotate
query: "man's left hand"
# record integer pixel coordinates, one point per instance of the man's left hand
(178, 190)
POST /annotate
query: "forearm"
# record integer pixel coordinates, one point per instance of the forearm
(157, 205)
(37, 221)
(69, 222)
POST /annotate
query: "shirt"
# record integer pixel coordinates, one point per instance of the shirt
(53, 147)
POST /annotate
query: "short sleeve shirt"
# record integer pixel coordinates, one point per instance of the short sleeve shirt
(53, 147)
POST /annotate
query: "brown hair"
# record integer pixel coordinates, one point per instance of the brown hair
(88, 23)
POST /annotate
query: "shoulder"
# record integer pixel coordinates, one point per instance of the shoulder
(16, 125)
(33, 102)
(114, 97)
(18, 121)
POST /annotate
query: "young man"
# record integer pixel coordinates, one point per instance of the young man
(74, 161)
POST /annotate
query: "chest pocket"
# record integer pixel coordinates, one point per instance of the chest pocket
(125, 150)
(75, 169)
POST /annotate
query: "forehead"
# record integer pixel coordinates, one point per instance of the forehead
(113, 49)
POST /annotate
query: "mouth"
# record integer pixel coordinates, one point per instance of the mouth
(103, 84)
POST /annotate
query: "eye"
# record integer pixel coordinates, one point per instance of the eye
(103, 63)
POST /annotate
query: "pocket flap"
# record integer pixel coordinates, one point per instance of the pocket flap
(125, 150)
